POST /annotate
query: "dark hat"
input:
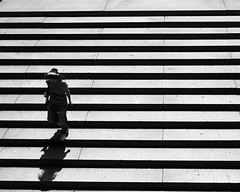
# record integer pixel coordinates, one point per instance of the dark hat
(53, 74)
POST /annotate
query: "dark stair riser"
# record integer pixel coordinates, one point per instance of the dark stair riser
(127, 107)
(120, 186)
(120, 164)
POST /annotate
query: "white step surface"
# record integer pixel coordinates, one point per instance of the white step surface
(122, 154)
(125, 83)
(88, 69)
(142, 43)
(120, 19)
(125, 134)
(119, 5)
(128, 99)
(130, 116)
(87, 99)
(120, 55)
(83, 174)
(126, 175)
(120, 31)
(120, 69)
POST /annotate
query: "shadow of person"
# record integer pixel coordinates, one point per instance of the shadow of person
(55, 151)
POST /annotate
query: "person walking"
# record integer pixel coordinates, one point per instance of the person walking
(56, 101)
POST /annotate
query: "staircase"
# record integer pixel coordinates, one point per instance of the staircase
(155, 93)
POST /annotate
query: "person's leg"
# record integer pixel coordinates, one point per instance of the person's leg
(52, 115)
(62, 115)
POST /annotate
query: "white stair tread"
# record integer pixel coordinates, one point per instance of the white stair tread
(119, 55)
(87, 19)
(130, 116)
(202, 18)
(83, 174)
(125, 134)
(128, 99)
(201, 99)
(201, 175)
(118, 30)
(90, 134)
(89, 69)
(121, 19)
(120, 69)
(143, 43)
(124, 175)
(94, 99)
(160, 154)
(202, 69)
(45, 55)
(154, 154)
(124, 83)
(87, 43)
(164, 30)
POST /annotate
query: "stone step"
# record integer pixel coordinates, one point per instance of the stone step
(126, 19)
(55, 152)
(122, 30)
(128, 99)
(128, 102)
(126, 116)
(121, 55)
(117, 43)
(147, 84)
(211, 69)
(122, 72)
(125, 134)
(130, 176)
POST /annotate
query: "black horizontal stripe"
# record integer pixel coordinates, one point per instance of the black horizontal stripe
(128, 186)
(126, 124)
(121, 143)
(127, 107)
(144, 36)
(119, 13)
(130, 91)
(129, 164)
(126, 76)
(221, 24)
(106, 62)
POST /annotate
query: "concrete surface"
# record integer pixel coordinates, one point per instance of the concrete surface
(97, 99)
(125, 134)
(120, 31)
(122, 154)
(142, 43)
(51, 31)
(130, 116)
(159, 154)
(91, 134)
(201, 175)
(201, 134)
(52, 5)
(81, 174)
(126, 83)
(201, 99)
(128, 99)
(117, 5)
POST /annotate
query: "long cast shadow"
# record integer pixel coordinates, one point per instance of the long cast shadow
(55, 151)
